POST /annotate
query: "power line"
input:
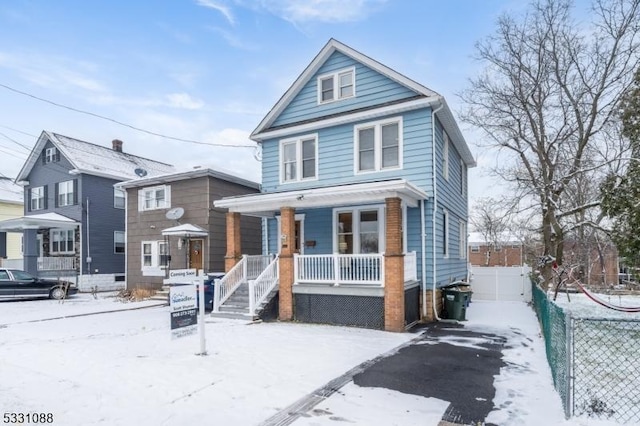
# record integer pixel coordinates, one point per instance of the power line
(15, 141)
(102, 117)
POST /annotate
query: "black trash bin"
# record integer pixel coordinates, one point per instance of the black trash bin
(455, 303)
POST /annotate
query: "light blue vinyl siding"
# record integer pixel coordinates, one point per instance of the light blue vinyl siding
(318, 227)
(336, 156)
(372, 88)
(450, 199)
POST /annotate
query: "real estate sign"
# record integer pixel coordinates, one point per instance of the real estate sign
(184, 312)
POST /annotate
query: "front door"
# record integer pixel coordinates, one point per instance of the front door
(195, 254)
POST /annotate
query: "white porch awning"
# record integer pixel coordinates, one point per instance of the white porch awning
(359, 193)
(38, 221)
(186, 230)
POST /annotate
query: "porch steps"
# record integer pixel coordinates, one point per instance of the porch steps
(237, 305)
(162, 294)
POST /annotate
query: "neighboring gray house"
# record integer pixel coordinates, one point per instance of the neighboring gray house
(171, 224)
(74, 219)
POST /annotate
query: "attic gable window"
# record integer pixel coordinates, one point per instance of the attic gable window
(336, 86)
(50, 155)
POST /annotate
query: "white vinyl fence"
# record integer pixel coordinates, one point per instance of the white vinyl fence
(510, 283)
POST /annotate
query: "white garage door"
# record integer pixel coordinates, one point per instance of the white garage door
(501, 283)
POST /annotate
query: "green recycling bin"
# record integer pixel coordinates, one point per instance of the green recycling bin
(455, 303)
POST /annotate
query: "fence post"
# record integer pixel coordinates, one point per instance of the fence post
(336, 269)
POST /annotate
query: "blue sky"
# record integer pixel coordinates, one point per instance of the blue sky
(209, 70)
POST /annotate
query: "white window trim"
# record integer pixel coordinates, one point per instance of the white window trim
(39, 200)
(155, 269)
(69, 195)
(377, 125)
(298, 217)
(124, 241)
(356, 226)
(462, 239)
(336, 85)
(298, 141)
(59, 231)
(167, 197)
(50, 154)
(445, 156)
(124, 198)
(475, 248)
(445, 234)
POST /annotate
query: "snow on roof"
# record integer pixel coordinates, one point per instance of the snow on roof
(10, 192)
(103, 161)
(94, 159)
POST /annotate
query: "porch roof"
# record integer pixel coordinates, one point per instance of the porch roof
(37, 221)
(267, 204)
(186, 230)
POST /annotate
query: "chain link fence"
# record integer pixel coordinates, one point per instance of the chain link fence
(595, 362)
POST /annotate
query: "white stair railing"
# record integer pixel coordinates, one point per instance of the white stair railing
(262, 286)
(256, 264)
(229, 283)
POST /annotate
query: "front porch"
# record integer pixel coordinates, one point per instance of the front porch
(361, 275)
(50, 244)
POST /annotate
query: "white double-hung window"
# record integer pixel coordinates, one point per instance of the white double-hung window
(378, 145)
(65, 193)
(156, 197)
(336, 86)
(299, 159)
(154, 257)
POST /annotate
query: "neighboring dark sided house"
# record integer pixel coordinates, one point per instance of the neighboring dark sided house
(74, 223)
(172, 224)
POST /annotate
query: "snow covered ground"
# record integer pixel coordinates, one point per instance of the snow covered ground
(122, 368)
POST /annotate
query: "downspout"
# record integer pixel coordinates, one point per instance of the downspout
(435, 207)
(88, 246)
(423, 229)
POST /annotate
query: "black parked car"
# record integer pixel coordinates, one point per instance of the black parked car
(16, 284)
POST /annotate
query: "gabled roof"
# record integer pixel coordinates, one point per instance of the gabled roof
(429, 97)
(92, 159)
(10, 192)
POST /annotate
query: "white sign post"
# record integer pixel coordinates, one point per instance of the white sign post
(203, 342)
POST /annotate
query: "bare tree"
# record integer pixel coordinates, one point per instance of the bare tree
(548, 100)
(491, 221)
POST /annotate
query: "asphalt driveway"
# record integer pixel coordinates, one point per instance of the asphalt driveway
(461, 372)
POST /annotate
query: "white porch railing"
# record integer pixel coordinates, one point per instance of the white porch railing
(256, 265)
(338, 269)
(58, 263)
(229, 283)
(262, 286)
(410, 266)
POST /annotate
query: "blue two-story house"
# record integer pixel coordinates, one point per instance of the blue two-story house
(74, 219)
(364, 196)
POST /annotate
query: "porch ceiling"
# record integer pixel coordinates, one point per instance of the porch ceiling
(333, 196)
(37, 221)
